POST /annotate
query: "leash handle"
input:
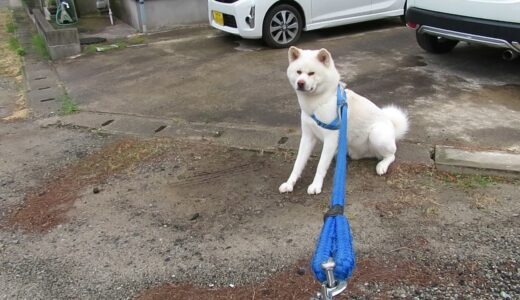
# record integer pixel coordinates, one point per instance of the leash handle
(335, 241)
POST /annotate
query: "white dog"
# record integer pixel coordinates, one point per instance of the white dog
(372, 132)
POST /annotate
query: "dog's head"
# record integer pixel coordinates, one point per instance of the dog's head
(311, 71)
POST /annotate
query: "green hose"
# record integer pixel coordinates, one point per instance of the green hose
(66, 13)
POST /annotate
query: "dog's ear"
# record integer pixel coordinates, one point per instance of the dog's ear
(294, 53)
(324, 57)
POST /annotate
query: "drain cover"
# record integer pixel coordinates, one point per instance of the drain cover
(92, 40)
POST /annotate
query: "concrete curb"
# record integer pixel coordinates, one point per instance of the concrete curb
(43, 87)
(495, 163)
(246, 137)
(270, 139)
(231, 135)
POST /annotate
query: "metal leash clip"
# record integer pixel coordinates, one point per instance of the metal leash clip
(331, 287)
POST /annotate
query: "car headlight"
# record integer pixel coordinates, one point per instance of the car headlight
(250, 20)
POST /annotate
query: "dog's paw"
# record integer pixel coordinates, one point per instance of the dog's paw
(314, 189)
(381, 168)
(286, 187)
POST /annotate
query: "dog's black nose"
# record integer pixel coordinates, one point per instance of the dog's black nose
(301, 84)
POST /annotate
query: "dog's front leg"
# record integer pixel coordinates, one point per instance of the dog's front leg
(330, 144)
(307, 143)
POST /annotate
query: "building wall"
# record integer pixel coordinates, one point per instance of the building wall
(162, 14)
(85, 7)
(169, 13)
(126, 10)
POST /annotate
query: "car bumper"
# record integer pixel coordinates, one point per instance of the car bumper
(473, 30)
(235, 15)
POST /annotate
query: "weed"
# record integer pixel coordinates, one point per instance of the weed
(136, 40)
(122, 44)
(432, 211)
(15, 46)
(10, 27)
(468, 181)
(89, 49)
(10, 47)
(39, 46)
(13, 43)
(68, 106)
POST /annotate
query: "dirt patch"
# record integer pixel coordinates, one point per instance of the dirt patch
(387, 273)
(194, 219)
(46, 206)
(468, 181)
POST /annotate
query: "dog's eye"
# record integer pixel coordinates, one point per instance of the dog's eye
(299, 72)
(311, 73)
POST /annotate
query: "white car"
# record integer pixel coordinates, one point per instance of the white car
(280, 22)
(441, 24)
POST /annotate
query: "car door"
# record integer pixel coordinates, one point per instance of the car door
(334, 10)
(385, 6)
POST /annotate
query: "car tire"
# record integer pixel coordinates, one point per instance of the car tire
(435, 44)
(283, 25)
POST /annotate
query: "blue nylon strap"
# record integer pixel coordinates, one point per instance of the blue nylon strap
(335, 239)
(336, 123)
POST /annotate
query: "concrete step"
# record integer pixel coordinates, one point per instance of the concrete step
(495, 163)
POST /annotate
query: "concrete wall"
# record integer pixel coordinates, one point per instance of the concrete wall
(85, 7)
(33, 4)
(60, 42)
(169, 13)
(126, 10)
(162, 14)
(15, 3)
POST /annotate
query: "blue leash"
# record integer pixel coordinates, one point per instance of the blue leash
(335, 241)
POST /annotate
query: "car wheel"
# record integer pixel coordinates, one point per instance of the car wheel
(282, 26)
(435, 44)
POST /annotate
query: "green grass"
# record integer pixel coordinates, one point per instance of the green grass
(469, 181)
(475, 181)
(39, 46)
(68, 106)
(89, 49)
(15, 46)
(10, 27)
(121, 44)
(136, 40)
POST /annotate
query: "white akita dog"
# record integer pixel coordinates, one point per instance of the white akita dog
(372, 131)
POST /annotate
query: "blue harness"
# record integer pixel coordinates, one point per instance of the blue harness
(334, 258)
(336, 123)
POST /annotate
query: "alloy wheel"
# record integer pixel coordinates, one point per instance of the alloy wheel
(284, 27)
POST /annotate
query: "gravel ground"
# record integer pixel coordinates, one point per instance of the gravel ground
(179, 219)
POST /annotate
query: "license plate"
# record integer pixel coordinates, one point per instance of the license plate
(218, 17)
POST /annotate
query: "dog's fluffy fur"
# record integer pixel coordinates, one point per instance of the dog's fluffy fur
(372, 131)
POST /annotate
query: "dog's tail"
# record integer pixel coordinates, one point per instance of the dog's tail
(398, 118)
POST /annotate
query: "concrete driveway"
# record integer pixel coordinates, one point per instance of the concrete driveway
(469, 97)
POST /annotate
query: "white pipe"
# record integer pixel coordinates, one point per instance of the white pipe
(110, 13)
(142, 15)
